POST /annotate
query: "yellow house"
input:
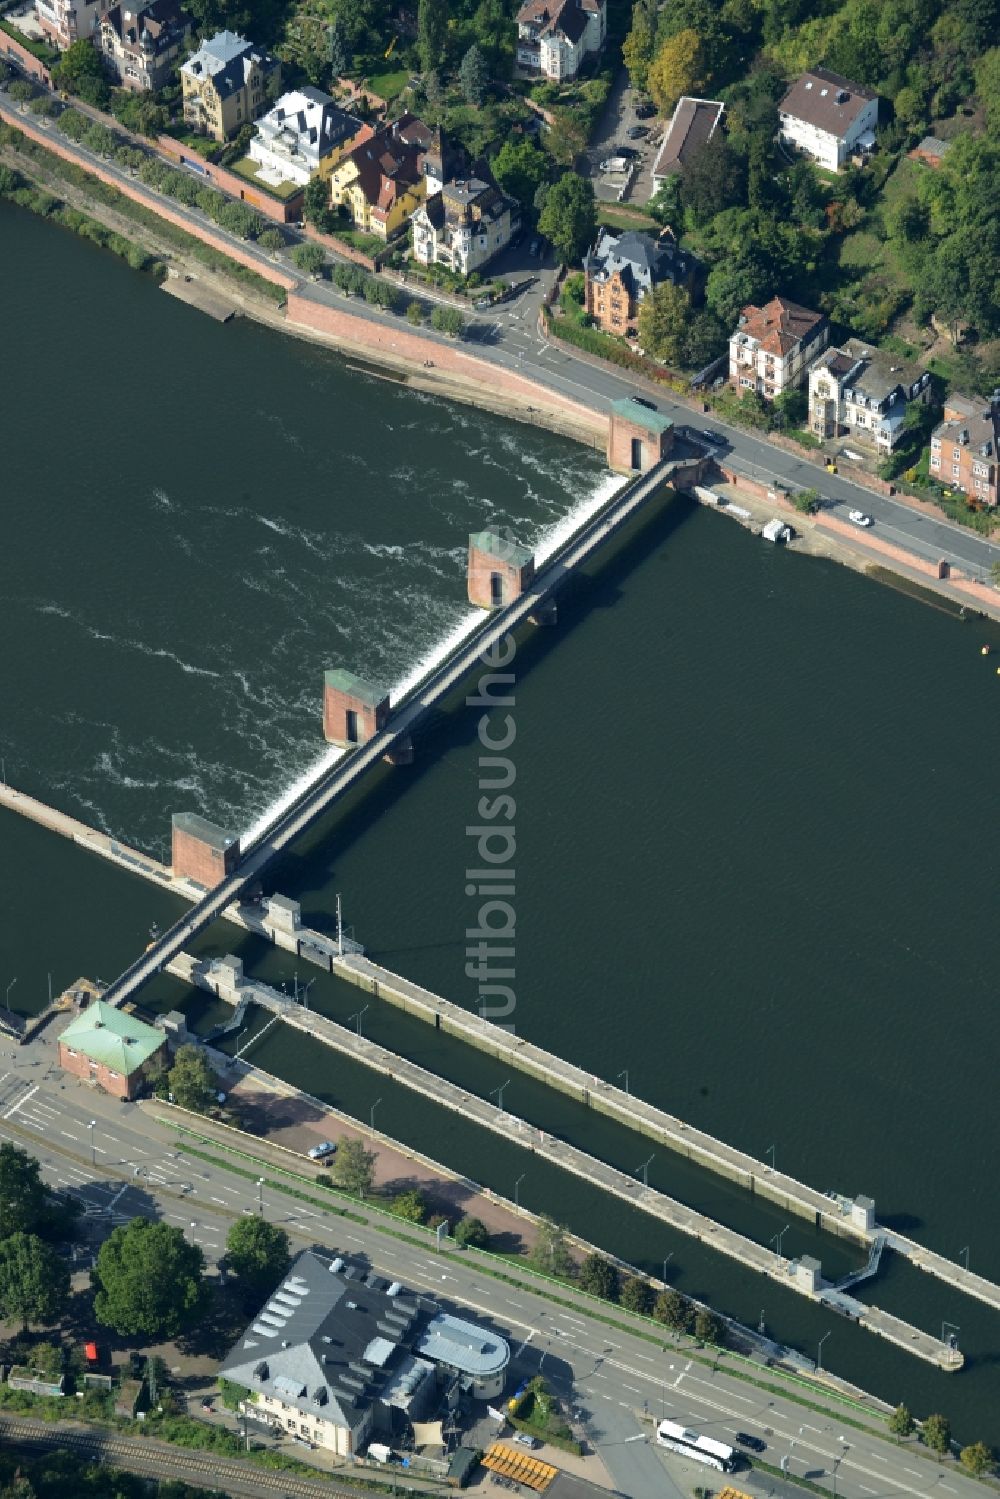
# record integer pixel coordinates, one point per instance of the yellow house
(225, 83)
(381, 183)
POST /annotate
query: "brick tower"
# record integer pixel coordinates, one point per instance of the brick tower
(499, 570)
(353, 710)
(638, 437)
(200, 851)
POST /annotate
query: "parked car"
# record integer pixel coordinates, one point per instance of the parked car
(614, 163)
(646, 110)
(744, 1439)
(483, 304)
(709, 436)
(322, 1150)
(860, 518)
(535, 248)
(206, 1405)
(524, 1440)
(636, 132)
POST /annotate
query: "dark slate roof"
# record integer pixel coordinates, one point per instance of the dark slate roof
(324, 1341)
(642, 261)
(159, 20)
(227, 59)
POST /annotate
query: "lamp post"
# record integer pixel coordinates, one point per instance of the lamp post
(819, 1351)
(517, 1188)
(965, 1251)
(357, 1016)
(770, 1151)
(371, 1113)
(6, 998)
(666, 1262)
(624, 1074)
(499, 1094)
(93, 1148)
(776, 1241)
(644, 1168)
(260, 1195)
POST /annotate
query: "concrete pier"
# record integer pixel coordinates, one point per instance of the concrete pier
(224, 978)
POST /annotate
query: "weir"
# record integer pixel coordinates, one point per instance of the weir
(224, 978)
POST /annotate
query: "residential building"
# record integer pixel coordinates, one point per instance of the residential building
(554, 36)
(692, 125)
(854, 391)
(622, 268)
(226, 84)
(342, 1357)
(141, 45)
(63, 22)
(828, 118)
(465, 220)
(964, 447)
(304, 135)
(111, 1048)
(381, 182)
(773, 346)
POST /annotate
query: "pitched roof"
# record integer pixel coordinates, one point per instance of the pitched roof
(159, 19)
(692, 124)
(566, 17)
(324, 1341)
(308, 122)
(641, 261)
(779, 326)
(390, 161)
(971, 423)
(112, 1037)
(227, 59)
(826, 100)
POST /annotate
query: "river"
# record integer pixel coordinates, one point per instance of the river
(753, 790)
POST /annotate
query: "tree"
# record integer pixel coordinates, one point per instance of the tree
(338, 54)
(708, 1328)
(806, 501)
(21, 90)
(704, 340)
(600, 1277)
(23, 1197)
(678, 68)
(519, 168)
(474, 76)
(148, 1280)
(309, 258)
(410, 1205)
(566, 138)
(432, 33)
(673, 1310)
(638, 47)
(472, 1233)
(713, 180)
(353, 1166)
(550, 1252)
(976, 1459)
(995, 574)
(34, 1280)
(988, 88)
(100, 140)
(316, 201)
(414, 313)
(663, 315)
(448, 320)
(10, 181)
(272, 240)
(569, 217)
(80, 71)
(192, 1081)
(936, 1432)
(637, 1295)
(257, 1251)
(731, 285)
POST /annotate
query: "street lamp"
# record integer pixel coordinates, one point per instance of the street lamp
(666, 1262)
(6, 998)
(371, 1113)
(949, 1333)
(499, 1094)
(357, 1016)
(770, 1151)
(93, 1148)
(819, 1352)
(517, 1185)
(260, 1195)
(644, 1168)
(624, 1074)
(776, 1241)
(965, 1251)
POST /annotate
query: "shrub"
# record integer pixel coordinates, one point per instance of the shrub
(414, 314)
(410, 1205)
(271, 240)
(472, 1232)
(74, 124)
(309, 258)
(43, 105)
(21, 90)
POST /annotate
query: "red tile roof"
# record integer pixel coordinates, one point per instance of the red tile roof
(780, 325)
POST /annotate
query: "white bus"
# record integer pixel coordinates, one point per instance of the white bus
(690, 1444)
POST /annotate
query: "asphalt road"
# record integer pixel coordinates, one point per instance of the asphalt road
(127, 1165)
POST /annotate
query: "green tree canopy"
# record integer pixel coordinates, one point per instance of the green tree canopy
(520, 168)
(472, 1232)
(432, 33)
(977, 1458)
(192, 1081)
(569, 217)
(257, 1251)
(673, 1310)
(148, 1280)
(316, 201)
(550, 1251)
(34, 1280)
(600, 1277)
(663, 318)
(309, 258)
(354, 1166)
(637, 1295)
(678, 68)
(79, 71)
(474, 76)
(411, 1205)
(901, 1422)
(23, 1195)
(708, 1328)
(936, 1432)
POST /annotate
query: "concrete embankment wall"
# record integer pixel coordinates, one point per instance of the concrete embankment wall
(457, 373)
(51, 142)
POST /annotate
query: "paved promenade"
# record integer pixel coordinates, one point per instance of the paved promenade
(218, 978)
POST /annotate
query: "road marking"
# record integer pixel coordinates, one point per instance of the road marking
(66, 1135)
(878, 1458)
(14, 1107)
(632, 1388)
(221, 1200)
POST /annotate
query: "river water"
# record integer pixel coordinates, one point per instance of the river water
(753, 791)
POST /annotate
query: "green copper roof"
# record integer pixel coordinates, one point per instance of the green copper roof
(642, 416)
(501, 547)
(112, 1038)
(342, 680)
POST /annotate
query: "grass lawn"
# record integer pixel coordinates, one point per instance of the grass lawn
(248, 168)
(203, 145)
(624, 218)
(41, 50)
(388, 84)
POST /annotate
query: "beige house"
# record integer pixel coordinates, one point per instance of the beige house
(63, 22)
(225, 84)
(141, 45)
(857, 392)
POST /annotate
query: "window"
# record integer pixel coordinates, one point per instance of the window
(955, 470)
(956, 453)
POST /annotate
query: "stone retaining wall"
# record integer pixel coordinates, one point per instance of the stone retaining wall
(25, 60)
(287, 212)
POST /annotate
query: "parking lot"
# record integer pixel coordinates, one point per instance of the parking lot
(612, 132)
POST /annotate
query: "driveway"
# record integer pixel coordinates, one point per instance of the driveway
(617, 119)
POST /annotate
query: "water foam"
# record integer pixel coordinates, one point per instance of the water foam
(550, 540)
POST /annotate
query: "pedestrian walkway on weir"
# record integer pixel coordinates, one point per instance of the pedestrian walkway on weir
(224, 978)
